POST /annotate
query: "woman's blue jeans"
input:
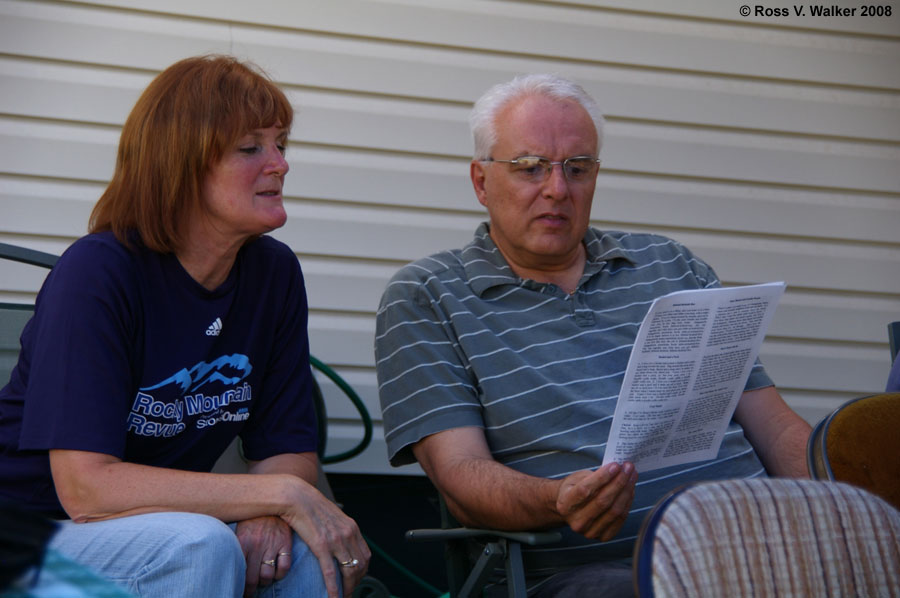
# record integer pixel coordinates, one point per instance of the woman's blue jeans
(178, 554)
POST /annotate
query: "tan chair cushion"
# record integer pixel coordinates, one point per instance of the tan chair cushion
(862, 440)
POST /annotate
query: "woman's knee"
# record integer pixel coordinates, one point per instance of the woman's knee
(204, 537)
(159, 554)
(203, 555)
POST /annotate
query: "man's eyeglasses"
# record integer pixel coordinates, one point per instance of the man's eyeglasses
(536, 169)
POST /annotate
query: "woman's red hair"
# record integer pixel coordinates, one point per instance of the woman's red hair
(182, 124)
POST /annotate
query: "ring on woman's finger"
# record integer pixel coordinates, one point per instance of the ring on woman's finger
(270, 562)
(284, 554)
(351, 563)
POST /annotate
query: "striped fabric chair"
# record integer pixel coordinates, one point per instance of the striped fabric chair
(769, 537)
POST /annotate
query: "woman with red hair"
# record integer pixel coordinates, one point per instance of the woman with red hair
(176, 325)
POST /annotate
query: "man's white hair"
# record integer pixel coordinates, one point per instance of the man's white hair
(483, 119)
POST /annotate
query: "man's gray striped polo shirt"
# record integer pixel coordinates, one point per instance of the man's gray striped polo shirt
(462, 341)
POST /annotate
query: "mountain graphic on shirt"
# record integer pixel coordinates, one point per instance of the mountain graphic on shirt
(227, 369)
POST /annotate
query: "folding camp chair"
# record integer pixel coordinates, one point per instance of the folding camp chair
(468, 576)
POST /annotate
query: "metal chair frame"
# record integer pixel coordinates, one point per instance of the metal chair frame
(466, 579)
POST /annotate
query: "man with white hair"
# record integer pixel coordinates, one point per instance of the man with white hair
(500, 363)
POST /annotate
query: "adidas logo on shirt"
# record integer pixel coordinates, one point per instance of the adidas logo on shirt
(215, 328)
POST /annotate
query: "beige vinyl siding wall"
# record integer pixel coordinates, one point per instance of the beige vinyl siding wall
(769, 145)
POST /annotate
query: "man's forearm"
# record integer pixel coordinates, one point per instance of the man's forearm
(479, 491)
(495, 496)
(789, 457)
(776, 432)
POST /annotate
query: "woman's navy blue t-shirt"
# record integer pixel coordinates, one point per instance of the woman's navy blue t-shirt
(129, 356)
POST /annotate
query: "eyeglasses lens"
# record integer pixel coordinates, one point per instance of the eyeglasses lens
(537, 169)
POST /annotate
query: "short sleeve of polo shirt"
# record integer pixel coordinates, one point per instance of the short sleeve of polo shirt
(422, 376)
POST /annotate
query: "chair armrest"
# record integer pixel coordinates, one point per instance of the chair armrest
(460, 533)
(27, 256)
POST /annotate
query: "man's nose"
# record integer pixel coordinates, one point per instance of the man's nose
(556, 184)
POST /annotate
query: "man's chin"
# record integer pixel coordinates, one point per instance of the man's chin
(555, 249)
